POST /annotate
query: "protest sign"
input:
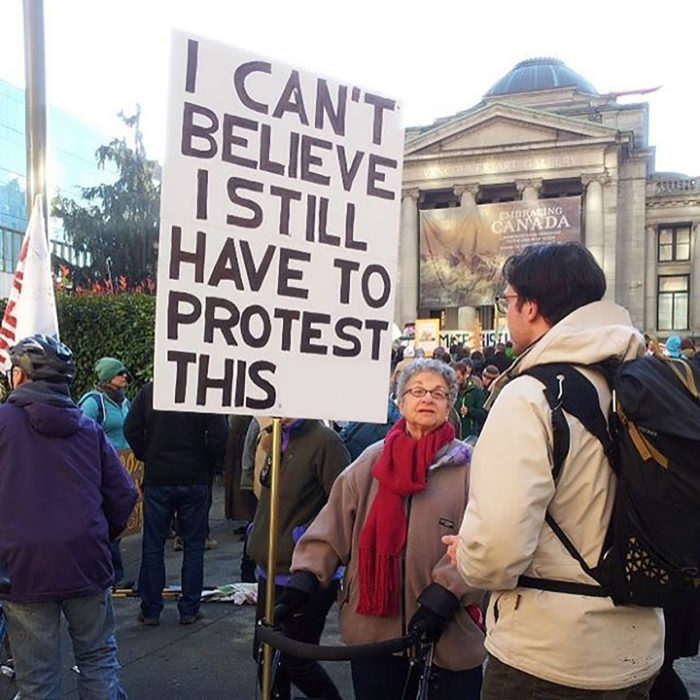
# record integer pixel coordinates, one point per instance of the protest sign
(278, 240)
(427, 334)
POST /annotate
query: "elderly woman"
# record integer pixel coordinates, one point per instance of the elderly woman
(384, 519)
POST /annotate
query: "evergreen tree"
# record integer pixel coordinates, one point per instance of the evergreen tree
(117, 223)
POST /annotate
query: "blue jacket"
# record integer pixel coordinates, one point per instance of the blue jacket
(359, 436)
(111, 416)
(63, 495)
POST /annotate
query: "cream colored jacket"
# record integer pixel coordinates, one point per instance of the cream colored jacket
(577, 641)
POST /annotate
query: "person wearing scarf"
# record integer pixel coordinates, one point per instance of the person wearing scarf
(108, 406)
(384, 520)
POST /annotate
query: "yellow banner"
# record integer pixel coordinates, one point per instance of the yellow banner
(135, 470)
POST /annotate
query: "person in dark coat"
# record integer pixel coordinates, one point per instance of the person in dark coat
(477, 360)
(469, 404)
(239, 503)
(63, 495)
(500, 359)
(312, 457)
(180, 451)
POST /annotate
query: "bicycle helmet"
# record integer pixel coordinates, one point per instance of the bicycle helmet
(42, 357)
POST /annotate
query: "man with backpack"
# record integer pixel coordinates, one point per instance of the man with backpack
(538, 513)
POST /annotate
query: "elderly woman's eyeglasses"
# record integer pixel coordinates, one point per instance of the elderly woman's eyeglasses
(502, 302)
(418, 392)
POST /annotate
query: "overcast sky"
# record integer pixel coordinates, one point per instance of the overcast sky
(436, 57)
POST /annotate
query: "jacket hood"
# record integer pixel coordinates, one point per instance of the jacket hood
(590, 334)
(49, 408)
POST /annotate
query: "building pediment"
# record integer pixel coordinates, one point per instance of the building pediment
(501, 125)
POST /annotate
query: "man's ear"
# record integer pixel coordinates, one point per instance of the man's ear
(532, 310)
(19, 377)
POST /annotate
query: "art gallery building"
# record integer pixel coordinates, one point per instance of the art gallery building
(544, 137)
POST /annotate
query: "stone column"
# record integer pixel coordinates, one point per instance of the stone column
(467, 197)
(467, 194)
(694, 297)
(529, 189)
(594, 235)
(406, 307)
(650, 299)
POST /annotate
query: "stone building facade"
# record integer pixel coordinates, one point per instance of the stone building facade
(543, 132)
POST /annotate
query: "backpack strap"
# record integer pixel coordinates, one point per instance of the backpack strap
(567, 390)
(684, 373)
(99, 400)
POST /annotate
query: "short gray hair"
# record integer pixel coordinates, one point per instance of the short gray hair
(423, 364)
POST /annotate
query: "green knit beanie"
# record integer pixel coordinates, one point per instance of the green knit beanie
(108, 368)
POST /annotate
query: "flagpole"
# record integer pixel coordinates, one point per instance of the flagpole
(276, 458)
(35, 104)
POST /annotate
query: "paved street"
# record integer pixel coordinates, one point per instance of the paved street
(212, 659)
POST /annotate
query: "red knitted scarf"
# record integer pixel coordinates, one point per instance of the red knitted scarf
(401, 471)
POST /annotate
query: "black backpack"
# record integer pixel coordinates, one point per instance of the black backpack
(651, 553)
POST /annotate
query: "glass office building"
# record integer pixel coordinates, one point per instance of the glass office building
(70, 166)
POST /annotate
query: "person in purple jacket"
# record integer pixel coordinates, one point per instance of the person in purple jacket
(63, 495)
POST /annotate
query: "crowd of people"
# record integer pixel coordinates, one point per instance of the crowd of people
(428, 524)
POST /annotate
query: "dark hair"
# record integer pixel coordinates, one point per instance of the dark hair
(559, 277)
(463, 365)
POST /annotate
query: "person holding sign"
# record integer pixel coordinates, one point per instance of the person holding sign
(312, 458)
(383, 522)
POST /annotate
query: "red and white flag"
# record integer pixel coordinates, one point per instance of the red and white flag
(32, 306)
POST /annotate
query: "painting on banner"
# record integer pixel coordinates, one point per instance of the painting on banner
(278, 240)
(462, 252)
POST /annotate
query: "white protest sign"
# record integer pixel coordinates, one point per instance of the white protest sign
(278, 240)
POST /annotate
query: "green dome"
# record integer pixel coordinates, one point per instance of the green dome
(539, 74)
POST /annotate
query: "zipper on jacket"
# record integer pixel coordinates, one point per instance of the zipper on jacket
(402, 570)
(495, 609)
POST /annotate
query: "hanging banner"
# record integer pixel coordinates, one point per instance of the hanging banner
(462, 253)
(278, 240)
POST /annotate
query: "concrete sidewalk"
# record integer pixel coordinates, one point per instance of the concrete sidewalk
(212, 659)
